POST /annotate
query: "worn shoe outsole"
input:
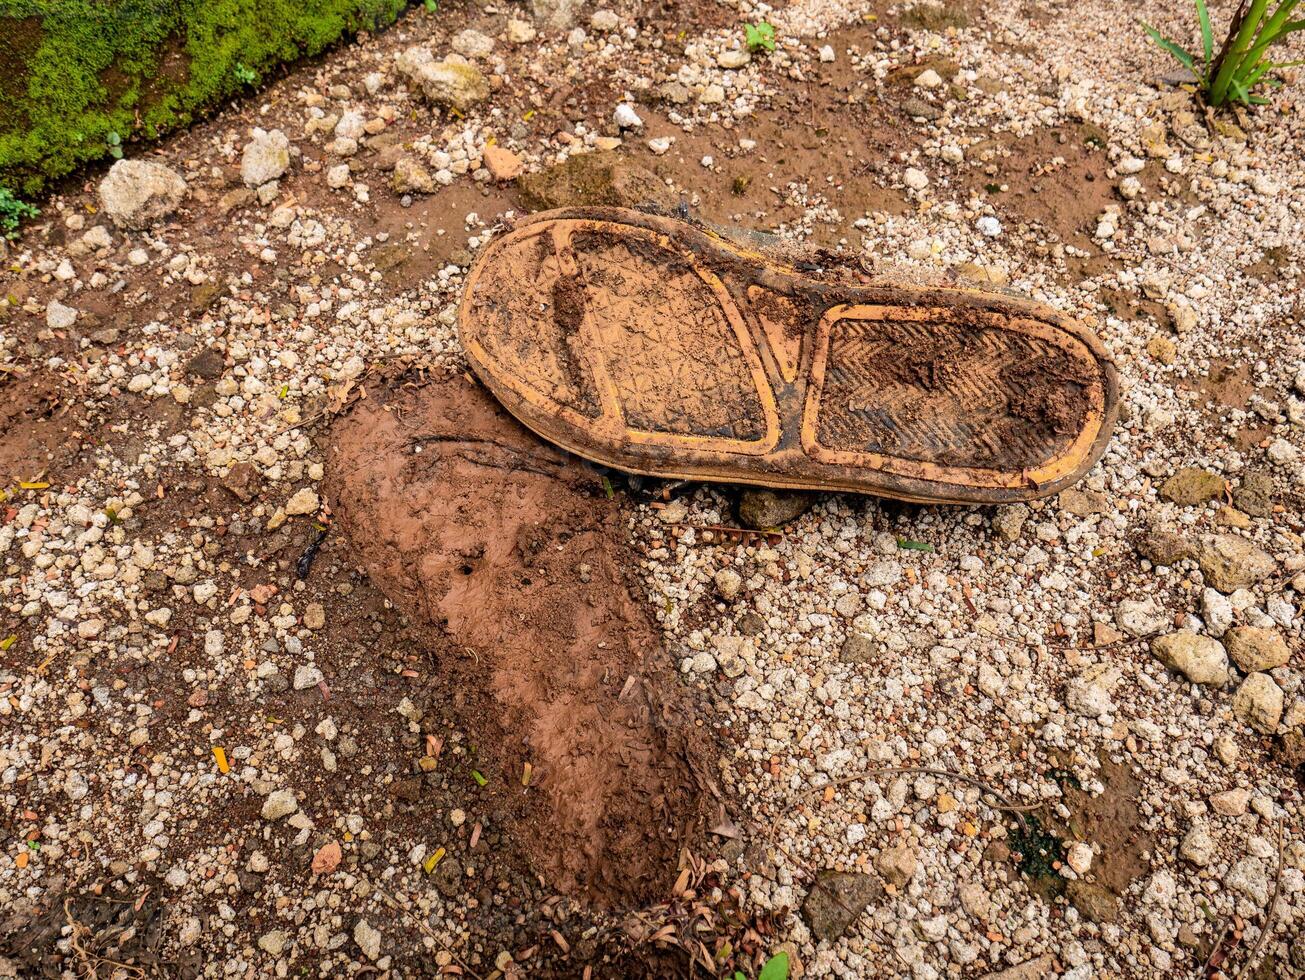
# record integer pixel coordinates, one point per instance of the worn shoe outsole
(645, 344)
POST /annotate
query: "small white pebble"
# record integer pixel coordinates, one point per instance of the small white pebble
(625, 117)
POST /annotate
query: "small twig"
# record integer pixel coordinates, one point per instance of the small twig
(88, 959)
(1268, 915)
(1214, 950)
(518, 468)
(742, 533)
(300, 425)
(427, 930)
(1125, 640)
(999, 634)
(513, 451)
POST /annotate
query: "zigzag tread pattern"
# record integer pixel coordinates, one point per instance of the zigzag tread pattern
(951, 394)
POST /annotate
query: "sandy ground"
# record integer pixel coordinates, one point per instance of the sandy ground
(312, 663)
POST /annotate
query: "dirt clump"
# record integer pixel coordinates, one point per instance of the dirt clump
(509, 558)
(41, 424)
(594, 179)
(1113, 820)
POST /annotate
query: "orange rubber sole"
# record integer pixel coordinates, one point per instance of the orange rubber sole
(647, 345)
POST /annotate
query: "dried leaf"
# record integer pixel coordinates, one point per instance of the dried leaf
(433, 859)
(726, 829)
(681, 883)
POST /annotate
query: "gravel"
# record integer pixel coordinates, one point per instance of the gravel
(1141, 623)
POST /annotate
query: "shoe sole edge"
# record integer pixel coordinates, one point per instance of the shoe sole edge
(791, 455)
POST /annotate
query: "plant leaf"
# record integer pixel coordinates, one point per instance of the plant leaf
(776, 968)
(1239, 90)
(1271, 34)
(1207, 35)
(1174, 49)
(1240, 35)
(1250, 81)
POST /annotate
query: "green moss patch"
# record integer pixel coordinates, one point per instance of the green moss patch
(80, 77)
(1037, 853)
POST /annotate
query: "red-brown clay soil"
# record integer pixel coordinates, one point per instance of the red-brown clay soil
(509, 558)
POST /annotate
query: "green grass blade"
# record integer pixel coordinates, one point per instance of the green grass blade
(1277, 27)
(1252, 59)
(1207, 35)
(1234, 25)
(1241, 93)
(1251, 80)
(1174, 49)
(1231, 61)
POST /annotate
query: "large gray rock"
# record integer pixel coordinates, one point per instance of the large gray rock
(452, 84)
(836, 900)
(1253, 648)
(1198, 846)
(279, 803)
(410, 177)
(1230, 563)
(410, 59)
(1255, 495)
(473, 44)
(266, 157)
(1258, 703)
(1095, 901)
(557, 14)
(368, 939)
(1089, 694)
(772, 508)
(1008, 522)
(602, 178)
(137, 193)
(859, 649)
(1249, 877)
(1192, 486)
(897, 865)
(1165, 547)
(1198, 658)
(1140, 617)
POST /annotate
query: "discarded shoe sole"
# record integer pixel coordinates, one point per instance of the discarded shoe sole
(647, 345)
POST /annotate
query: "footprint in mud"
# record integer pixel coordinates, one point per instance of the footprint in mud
(510, 559)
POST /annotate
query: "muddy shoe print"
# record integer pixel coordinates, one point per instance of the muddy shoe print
(645, 344)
